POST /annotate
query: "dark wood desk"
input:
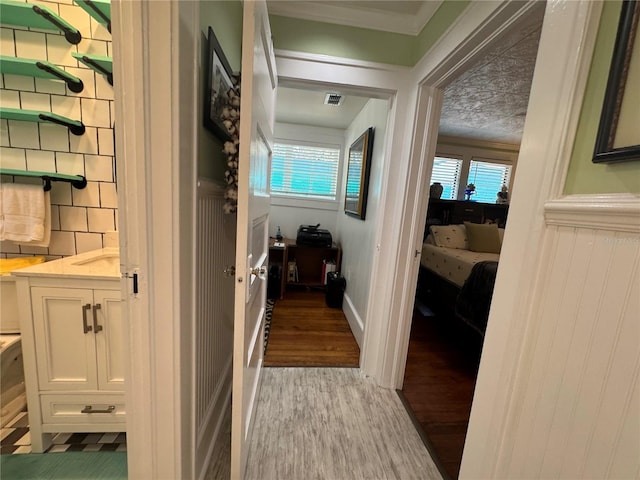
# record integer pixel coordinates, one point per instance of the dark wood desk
(454, 212)
(308, 260)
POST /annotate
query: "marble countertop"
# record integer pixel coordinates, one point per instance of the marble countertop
(103, 264)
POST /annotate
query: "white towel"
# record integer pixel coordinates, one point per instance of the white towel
(25, 214)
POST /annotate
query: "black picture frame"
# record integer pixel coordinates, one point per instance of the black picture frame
(218, 82)
(358, 172)
(604, 151)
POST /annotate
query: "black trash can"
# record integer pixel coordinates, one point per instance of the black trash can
(336, 285)
(274, 281)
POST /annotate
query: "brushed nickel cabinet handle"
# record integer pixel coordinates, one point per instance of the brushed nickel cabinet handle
(89, 409)
(96, 328)
(85, 323)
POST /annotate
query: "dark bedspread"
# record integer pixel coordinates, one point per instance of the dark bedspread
(474, 300)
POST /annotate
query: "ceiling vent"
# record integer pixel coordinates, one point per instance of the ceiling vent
(333, 99)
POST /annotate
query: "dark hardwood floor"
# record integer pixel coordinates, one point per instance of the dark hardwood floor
(442, 366)
(307, 333)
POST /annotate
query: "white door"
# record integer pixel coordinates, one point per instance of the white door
(256, 140)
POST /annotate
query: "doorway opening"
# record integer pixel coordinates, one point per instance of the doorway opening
(481, 124)
(318, 281)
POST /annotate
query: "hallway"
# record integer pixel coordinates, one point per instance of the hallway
(332, 423)
(328, 423)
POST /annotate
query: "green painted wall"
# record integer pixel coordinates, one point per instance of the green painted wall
(436, 26)
(225, 17)
(362, 43)
(341, 41)
(585, 177)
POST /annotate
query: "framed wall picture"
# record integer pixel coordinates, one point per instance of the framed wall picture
(618, 136)
(358, 171)
(218, 83)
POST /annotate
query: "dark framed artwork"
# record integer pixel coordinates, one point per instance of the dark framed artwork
(358, 171)
(218, 83)
(618, 136)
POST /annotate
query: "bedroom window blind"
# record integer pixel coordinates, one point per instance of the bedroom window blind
(447, 172)
(488, 178)
(305, 171)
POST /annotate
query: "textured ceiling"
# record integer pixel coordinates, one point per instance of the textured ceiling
(306, 107)
(489, 101)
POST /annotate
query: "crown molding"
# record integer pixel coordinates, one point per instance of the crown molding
(369, 18)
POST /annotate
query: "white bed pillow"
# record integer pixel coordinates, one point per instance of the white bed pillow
(450, 236)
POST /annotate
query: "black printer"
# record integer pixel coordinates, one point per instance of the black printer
(311, 235)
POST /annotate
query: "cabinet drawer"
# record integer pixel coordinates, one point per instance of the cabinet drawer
(83, 409)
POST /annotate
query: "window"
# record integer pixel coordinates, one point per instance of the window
(488, 178)
(447, 172)
(305, 171)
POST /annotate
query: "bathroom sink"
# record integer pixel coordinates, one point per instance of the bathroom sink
(102, 263)
(106, 261)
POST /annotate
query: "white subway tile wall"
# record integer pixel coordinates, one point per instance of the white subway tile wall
(81, 220)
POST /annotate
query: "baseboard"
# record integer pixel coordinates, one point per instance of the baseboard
(355, 322)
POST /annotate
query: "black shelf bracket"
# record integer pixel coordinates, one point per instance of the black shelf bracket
(71, 36)
(99, 68)
(79, 184)
(99, 13)
(74, 86)
(73, 128)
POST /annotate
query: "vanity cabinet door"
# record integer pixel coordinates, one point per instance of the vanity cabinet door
(109, 339)
(66, 352)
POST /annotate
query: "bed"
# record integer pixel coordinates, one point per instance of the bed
(458, 270)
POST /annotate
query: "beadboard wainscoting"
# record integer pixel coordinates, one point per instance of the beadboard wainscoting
(81, 220)
(575, 411)
(213, 332)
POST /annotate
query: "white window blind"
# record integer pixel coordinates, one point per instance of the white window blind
(447, 172)
(305, 171)
(488, 178)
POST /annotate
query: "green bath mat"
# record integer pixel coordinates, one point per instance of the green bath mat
(64, 465)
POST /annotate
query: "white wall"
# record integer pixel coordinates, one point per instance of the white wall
(290, 214)
(81, 220)
(357, 236)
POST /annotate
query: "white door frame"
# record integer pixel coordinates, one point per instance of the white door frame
(559, 81)
(402, 223)
(155, 57)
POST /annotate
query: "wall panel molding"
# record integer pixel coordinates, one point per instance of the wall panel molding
(616, 212)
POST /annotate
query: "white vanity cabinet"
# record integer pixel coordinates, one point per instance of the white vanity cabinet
(73, 345)
(78, 334)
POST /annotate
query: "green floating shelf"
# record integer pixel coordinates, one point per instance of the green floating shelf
(103, 65)
(39, 69)
(78, 181)
(75, 126)
(37, 16)
(100, 10)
